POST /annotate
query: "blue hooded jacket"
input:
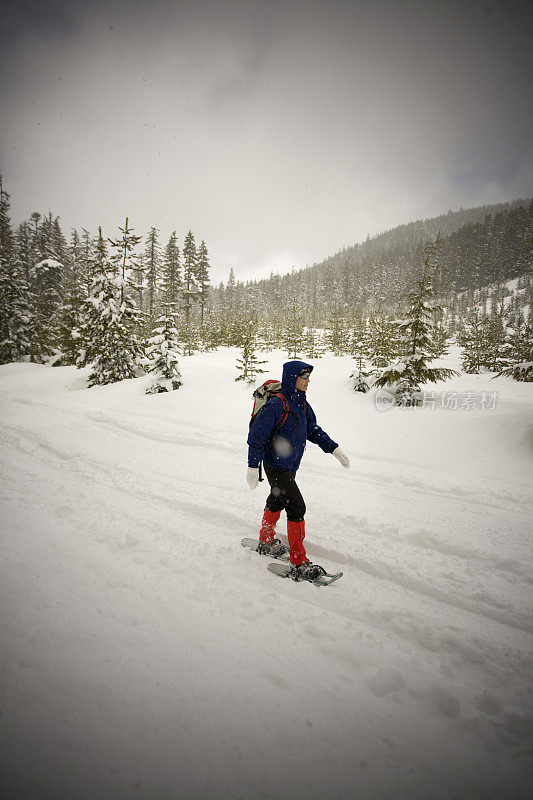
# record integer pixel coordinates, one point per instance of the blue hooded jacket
(284, 449)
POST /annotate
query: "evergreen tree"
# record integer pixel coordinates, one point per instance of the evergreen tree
(190, 287)
(202, 278)
(358, 340)
(24, 250)
(383, 342)
(520, 351)
(230, 291)
(86, 259)
(440, 337)
(70, 313)
(495, 351)
(171, 274)
(189, 337)
(312, 345)
(361, 380)
(137, 283)
(337, 338)
(413, 370)
(75, 275)
(472, 339)
(15, 316)
(70, 322)
(124, 258)
(359, 348)
(248, 363)
(292, 336)
(110, 343)
(45, 299)
(162, 356)
(229, 319)
(152, 264)
(97, 266)
(36, 254)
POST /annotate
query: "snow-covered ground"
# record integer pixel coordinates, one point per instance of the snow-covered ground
(146, 654)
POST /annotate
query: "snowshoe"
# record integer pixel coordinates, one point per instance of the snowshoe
(275, 549)
(297, 574)
(306, 571)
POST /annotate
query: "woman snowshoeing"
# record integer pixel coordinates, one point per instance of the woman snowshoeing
(278, 438)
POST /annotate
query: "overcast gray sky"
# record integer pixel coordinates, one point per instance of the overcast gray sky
(278, 131)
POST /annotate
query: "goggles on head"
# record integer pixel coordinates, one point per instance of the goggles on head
(304, 374)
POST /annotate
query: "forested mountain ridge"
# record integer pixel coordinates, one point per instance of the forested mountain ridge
(478, 247)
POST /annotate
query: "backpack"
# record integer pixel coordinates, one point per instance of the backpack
(263, 393)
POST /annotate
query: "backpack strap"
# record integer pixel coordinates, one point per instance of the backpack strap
(285, 413)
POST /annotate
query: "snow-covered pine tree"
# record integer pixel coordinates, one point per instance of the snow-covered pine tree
(190, 287)
(123, 256)
(312, 343)
(248, 364)
(110, 344)
(471, 338)
(71, 312)
(97, 264)
(23, 247)
(202, 278)
(337, 337)
(76, 250)
(359, 344)
(34, 226)
(45, 302)
(189, 337)
(152, 266)
(162, 354)
(358, 340)
(520, 351)
(440, 337)
(52, 243)
(495, 350)
(137, 283)
(230, 292)
(15, 316)
(171, 284)
(70, 322)
(292, 336)
(361, 380)
(230, 321)
(86, 259)
(383, 342)
(407, 375)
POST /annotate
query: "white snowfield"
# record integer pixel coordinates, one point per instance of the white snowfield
(146, 654)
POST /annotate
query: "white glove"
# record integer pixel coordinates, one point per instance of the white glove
(342, 457)
(252, 477)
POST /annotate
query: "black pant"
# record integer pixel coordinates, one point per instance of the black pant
(284, 494)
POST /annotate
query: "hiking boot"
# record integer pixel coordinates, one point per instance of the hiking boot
(306, 571)
(275, 548)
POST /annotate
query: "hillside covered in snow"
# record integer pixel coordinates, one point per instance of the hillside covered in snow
(146, 654)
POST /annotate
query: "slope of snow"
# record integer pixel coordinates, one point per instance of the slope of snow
(145, 654)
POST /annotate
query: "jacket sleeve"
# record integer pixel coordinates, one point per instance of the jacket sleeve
(262, 428)
(316, 435)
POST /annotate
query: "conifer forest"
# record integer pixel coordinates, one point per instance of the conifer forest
(125, 302)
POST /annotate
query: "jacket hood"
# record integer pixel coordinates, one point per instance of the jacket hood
(291, 370)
